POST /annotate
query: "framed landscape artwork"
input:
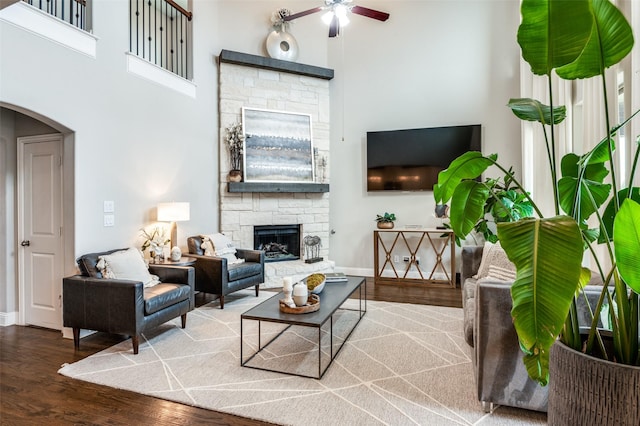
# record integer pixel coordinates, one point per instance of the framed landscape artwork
(277, 146)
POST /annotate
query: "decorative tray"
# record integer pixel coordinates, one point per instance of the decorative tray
(313, 304)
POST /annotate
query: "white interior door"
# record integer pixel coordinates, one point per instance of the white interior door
(40, 229)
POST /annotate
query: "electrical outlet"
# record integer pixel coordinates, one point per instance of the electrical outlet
(406, 258)
(396, 259)
(417, 260)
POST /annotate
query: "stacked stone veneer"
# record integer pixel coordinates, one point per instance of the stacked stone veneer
(252, 86)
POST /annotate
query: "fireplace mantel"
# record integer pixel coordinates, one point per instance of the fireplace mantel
(277, 187)
(238, 58)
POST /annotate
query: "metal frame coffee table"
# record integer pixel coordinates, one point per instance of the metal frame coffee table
(332, 299)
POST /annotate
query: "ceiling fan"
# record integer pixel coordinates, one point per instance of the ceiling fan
(336, 15)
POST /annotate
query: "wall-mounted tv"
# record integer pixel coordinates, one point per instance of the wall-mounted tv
(410, 160)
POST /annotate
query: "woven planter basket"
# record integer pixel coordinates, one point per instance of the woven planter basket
(584, 390)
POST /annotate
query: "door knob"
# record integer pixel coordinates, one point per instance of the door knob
(25, 243)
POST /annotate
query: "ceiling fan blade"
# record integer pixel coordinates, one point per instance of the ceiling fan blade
(334, 28)
(303, 13)
(370, 13)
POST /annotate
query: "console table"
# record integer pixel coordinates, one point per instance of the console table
(390, 248)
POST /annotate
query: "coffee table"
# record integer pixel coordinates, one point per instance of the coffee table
(332, 299)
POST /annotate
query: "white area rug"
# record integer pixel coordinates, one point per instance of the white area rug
(403, 364)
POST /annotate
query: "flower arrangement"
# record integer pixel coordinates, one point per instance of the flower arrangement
(234, 141)
(157, 239)
(277, 19)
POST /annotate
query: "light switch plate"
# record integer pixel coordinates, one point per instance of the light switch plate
(109, 207)
(109, 220)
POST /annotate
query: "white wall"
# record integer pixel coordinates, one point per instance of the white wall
(433, 63)
(136, 143)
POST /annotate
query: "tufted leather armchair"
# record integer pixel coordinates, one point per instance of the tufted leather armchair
(214, 274)
(123, 306)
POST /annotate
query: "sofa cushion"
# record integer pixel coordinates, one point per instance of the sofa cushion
(126, 265)
(469, 318)
(162, 295)
(244, 270)
(87, 263)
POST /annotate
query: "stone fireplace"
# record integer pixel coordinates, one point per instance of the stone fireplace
(279, 242)
(265, 83)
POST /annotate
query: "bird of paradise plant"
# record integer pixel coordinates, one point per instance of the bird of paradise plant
(576, 39)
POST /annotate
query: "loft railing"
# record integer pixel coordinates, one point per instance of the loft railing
(160, 32)
(73, 12)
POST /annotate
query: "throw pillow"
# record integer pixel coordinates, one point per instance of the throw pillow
(501, 274)
(126, 265)
(217, 245)
(494, 255)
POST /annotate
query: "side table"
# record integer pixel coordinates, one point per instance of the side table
(184, 261)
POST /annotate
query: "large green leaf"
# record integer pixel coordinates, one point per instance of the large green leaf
(469, 165)
(513, 205)
(553, 32)
(610, 41)
(467, 206)
(626, 235)
(547, 254)
(609, 214)
(585, 186)
(532, 110)
(599, 153)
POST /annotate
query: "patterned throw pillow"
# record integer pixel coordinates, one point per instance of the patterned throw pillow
(495, 263)
(220, 245)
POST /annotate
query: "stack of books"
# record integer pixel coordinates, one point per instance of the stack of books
(335, 277)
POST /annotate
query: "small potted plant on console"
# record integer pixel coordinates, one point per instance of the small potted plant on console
(385, 221)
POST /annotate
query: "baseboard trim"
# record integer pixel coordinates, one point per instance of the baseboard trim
(8, 318)
(362, 272)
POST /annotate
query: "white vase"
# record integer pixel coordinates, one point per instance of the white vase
(300, 294)
(282, 45)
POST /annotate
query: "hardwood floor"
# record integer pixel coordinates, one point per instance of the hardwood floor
(33, 393)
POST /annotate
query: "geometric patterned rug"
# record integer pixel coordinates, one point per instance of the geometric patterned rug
(403, 364)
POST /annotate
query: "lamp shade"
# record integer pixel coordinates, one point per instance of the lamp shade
(173, 212)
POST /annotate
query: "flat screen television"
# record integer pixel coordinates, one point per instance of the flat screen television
(410, 160)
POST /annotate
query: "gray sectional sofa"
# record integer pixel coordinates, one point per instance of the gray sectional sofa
(500, 375)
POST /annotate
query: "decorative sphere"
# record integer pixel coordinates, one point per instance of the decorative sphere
(176, 253)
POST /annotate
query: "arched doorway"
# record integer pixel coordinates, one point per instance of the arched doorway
(30, 284)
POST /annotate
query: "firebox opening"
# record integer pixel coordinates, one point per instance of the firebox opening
(279, 242)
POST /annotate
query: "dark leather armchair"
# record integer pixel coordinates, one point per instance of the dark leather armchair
(216, 276)
(92, 302)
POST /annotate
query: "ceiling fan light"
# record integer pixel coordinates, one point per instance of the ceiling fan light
(327, 17)
(341, 12)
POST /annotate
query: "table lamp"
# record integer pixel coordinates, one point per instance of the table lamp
(173, 212)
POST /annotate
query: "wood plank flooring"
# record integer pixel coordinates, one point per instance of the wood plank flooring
(33, 393)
